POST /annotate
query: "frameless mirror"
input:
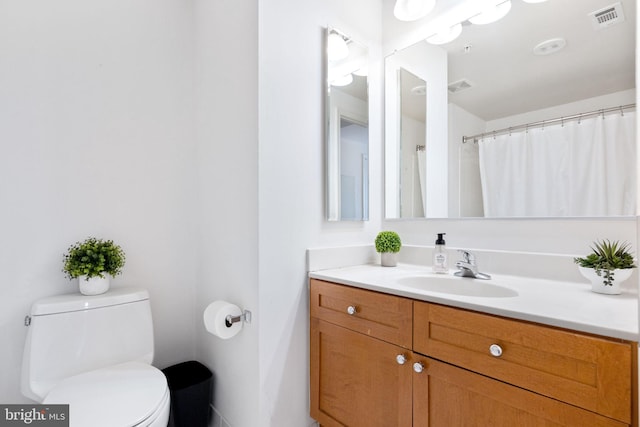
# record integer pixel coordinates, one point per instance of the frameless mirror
(347, 128)
(415, 133)
(544, 66)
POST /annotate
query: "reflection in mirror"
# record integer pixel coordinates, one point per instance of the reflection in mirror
(413, 121)
(415, 132)
(347, 129)
(560, 162)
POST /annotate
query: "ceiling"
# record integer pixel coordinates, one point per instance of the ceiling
(508, 78)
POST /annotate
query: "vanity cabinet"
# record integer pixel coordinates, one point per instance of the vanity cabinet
(357, 339)
(384, 360)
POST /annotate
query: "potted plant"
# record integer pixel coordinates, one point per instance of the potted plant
(93, 261)
(388, 245)
(609, 265)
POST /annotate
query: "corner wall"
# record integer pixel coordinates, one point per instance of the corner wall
(291, 183)
(226, 38)
(96, 139)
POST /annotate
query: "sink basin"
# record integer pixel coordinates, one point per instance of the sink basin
(457, 286)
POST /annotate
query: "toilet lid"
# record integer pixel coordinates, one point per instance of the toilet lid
(120, 395)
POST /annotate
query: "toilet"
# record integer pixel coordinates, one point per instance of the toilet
(94, 353)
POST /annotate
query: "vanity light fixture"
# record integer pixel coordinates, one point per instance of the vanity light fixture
(345, 80)
(337, 48)
(412, 10)
(447, 35)
(362, 71)
(492, 14)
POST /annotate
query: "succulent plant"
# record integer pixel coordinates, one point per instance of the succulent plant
(606, 257)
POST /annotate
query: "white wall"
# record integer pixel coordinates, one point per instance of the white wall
(291, 184)
(227, 136)
(96, 139)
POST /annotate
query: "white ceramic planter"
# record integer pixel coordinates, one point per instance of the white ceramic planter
(94, 285)
(389, 259)
(598, 282)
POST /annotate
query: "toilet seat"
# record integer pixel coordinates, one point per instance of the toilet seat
(125, 395)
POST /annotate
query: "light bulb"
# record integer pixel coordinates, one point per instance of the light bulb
(362, 71)
(345, 80)
(447, 35)
(412, 10)
(336, 47)
(492, 14)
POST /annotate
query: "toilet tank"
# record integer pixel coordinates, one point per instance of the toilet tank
(71, 334)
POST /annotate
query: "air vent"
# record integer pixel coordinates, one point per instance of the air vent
(459, 86)
(607, 16)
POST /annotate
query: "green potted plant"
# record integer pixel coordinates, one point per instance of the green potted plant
(388, 244)
(93, 261)
(607, 266)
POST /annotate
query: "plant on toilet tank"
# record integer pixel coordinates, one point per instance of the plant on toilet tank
(93, 262)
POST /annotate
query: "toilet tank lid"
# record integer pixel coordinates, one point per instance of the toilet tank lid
(78, 302)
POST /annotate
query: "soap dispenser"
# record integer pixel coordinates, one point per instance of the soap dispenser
(440, 258)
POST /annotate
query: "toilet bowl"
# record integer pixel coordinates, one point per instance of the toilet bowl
(94, 353)
(127, 395)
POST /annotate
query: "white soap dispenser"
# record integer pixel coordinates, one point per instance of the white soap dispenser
(440, 258)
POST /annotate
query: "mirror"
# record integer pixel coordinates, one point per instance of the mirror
(490, 79)
(347, 128)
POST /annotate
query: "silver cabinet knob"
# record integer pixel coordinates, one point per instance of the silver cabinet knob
(401, 359)
(418, 367)
(495, 350)
(351, 310)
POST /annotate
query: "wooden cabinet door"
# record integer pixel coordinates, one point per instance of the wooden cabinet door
(356, 380)
(447, 396)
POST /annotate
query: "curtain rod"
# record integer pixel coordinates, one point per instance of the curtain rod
(542, 123)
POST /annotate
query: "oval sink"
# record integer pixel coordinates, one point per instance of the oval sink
(457, 286)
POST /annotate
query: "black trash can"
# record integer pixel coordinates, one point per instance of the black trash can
(191, 388)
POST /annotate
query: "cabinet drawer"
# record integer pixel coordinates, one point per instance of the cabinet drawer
(583, 370)
(386, 317)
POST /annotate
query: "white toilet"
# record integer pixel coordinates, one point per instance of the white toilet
(94, 353)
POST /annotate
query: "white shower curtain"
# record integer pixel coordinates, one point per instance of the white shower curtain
(422, 178)
(581, 168)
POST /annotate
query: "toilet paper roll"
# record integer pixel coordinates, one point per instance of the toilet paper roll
(214, 319)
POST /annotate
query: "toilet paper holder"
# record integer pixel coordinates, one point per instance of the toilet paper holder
(245, 316)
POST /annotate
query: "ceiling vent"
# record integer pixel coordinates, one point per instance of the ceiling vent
(607, 16)
(459, 86)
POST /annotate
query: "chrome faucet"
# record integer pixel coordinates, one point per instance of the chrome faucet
(467, 266)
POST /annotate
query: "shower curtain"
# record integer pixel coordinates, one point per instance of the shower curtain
(421, 157)
(579, 168)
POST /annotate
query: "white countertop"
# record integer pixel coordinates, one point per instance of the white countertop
(564, 304)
